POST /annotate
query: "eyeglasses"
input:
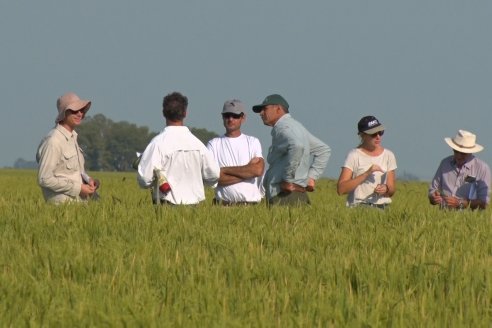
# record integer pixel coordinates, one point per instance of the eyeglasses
(73, 112)
(232, 115)
(379, 133)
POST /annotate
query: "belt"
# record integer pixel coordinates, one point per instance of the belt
(228, 203)
(380, 206)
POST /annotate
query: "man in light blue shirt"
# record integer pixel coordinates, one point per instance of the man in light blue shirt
(296, 158)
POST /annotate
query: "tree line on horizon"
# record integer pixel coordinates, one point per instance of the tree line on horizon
(112, 146)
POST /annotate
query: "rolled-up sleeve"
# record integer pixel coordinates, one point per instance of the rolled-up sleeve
(321, 154)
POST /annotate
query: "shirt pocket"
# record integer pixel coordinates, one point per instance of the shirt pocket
(70, 162)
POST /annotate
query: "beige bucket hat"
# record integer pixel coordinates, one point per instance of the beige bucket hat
(70, 101)
(464, 142)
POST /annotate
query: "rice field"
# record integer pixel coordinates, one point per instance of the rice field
(121, 262)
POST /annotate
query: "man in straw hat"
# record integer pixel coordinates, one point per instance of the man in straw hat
(462, 180)
(61, 172)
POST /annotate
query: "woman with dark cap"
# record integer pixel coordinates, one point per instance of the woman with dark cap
(368, 174)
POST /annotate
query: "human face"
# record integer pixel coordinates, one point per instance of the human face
(460, 158)
(270, 114)
(372, 140)
(232, 122)
(73, 118)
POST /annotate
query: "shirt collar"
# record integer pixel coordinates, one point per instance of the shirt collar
(466, 164)
(283, 117)
(67, 134)
(176, 127)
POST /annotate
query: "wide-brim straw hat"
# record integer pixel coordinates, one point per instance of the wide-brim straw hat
(464, 142)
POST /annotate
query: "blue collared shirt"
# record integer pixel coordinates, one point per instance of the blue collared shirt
(294, 156)
(453, 181)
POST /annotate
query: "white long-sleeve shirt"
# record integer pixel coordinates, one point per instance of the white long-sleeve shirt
(184, 160)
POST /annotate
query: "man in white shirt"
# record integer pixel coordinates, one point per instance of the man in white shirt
(240, 159)
(180, 156)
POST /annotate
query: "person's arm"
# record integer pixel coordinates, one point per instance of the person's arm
(483, 189)
(49, 155)
(290, 149)
(435, 198)
(462, 203)
(347, 184)
(86, 190)
(234, 174)
(145, 170)
(227, 180)
(387, 189)
(321, 154)
(210, 169)
(435, 187)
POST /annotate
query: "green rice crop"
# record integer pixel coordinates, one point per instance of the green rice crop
(123, 262)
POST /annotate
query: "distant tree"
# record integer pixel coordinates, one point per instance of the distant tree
(125, 140)
(111, 146)
(93, 135)
(21, 163)
(407, 176)
(203, 134)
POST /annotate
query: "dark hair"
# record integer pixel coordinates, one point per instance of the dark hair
(174, 106)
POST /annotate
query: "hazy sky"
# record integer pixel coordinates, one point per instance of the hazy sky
(423, 67)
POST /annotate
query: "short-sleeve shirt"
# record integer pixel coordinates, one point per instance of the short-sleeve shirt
(237, 152)
(359, 162)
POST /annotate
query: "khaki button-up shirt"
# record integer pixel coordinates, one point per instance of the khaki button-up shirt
(61, 164)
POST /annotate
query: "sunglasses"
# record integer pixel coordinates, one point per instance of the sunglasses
(73, 112)
(232, 115)
(379, 133)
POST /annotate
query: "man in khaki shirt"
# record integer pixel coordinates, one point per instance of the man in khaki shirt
(61, 163)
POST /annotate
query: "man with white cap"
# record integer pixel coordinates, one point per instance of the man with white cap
(61, 163)
(462, 180)
(240, 159)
